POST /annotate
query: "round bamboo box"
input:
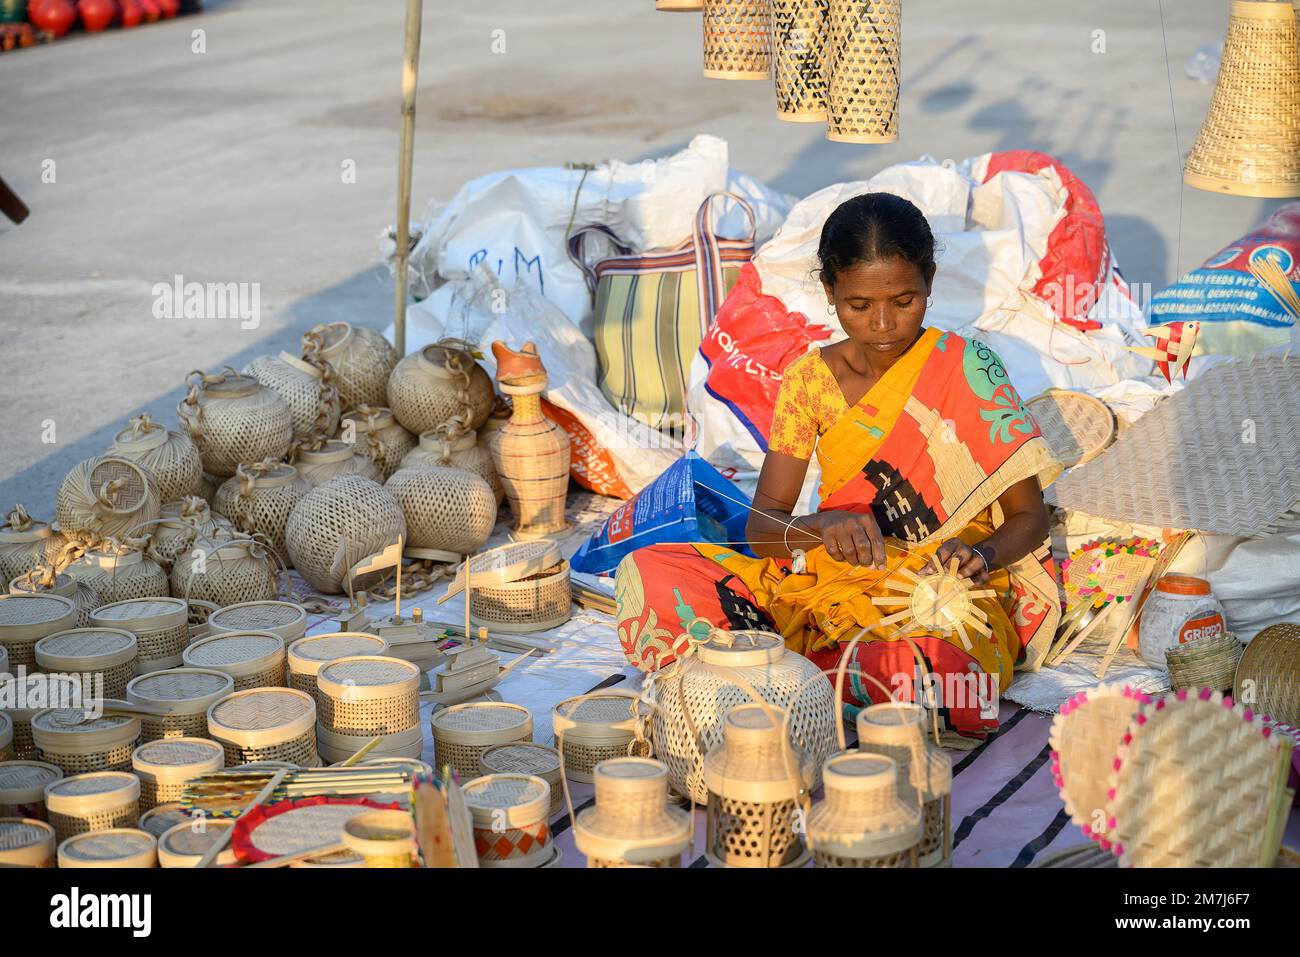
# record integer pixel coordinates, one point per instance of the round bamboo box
(368, 695)
(25, 842)
(26, 543)
(335, 748)
(161, 818)
(307, 655)
(362, 514)
(227, 569)
(171, 458)
(632, 823)
(105, 658)
(164, 766)
(597, 727)
(106, 497)
(463, 732)
(526, 757)
(536, 603)
(509, 812)
(93, 802)
(161, 627)
(186, 693)
(255, 659)
(22, 787)
(32, 689)
(333, 459)
(43, 581)
(313, 403)
(6, 737)
(362, 360)
(186, 843)
(449, 509)
(64, 737)
(119, 573)
(26, 619)
(1268, 674)
(463, 452)
(382, 838)
(258, 500)
(234, 419)
(863, 822)
(440, 388)
(118, 847)
(283, 618)
(266, 724)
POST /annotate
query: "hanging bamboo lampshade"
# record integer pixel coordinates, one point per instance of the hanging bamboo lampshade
(259, 498)
(632, 823)
(362, 360)
(799, 35)
(863, 822)
(864, 63)
(737, 40)
(1249, 144)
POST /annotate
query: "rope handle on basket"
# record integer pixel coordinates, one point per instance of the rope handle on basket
(456, 352)
(371, 415)
(109, 491)
(143, 424)
(18, 519)
(39, 577)
(839, 681)
(258, 545)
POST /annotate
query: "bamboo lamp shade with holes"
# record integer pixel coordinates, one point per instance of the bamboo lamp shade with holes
(863, 821)
(1209, 662)
(186, 694)
(283, 618)
(1268, 674)
(755, 779)
(234, 419)
(161, 818)
(335, 458)
(254, 659)
(266, 724)
(1077, 426)
(6, 736)
(171, 458)
(258, 500)
(463, 732)
(65, 738)
(22, 787)
(699, 693)
(509, 812)
(800, 30)
(362, 360)
(161, 627)
(383, 838)
(379, 436)
(307, 656)
(349, 513)
(440, 388)
(26, 842)
(594, 728)
(526, 757)
(313, 403)
(466, 452)
(184, 844)
(118, 847)
(26, 619)
(737, 39)
(180, 525)
(106, 497)
(164, 766)
(537, 602)
(83, 595)
(1249, 143)
(227, 569)
(104, 658)
(679, 6)
(865, 65)
(449, 509)
(119, 573)
(632, 822)
(26, 543)
(90, 802)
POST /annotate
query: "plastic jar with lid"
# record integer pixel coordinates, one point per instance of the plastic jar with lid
(1179, 610)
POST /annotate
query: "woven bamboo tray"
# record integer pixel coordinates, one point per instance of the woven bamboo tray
(63, 737)
(632, 822)
(104, 657)
(266, 724)
(22, 787)
(26, 842)
(160, 626)
(463, 732)
(164, 766)
(368, 695)
(307, 655)
(92, 802)
(526, 757)
(118, 847)
(509, 812)
(538, 602)
(187, 693)
(25, 619)
(863, 822)
(1268, 675)
(184, 844)
(254, 659)
(283, 618)
(591, 729)
(1077, 426)
(1204, 663)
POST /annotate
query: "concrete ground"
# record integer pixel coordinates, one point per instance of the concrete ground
(227, 165)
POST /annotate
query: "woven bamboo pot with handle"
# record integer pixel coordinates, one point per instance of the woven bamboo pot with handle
(43, 581)
(26, 543)
(597, 727)
(234, 419)
(376, 433)
(362, 360)
(308, 391)
(179, 526)
(338, 524)
(332, 459)
(448, 509)
(863, 821)
(227, 569)
(258, 500)
(440, 388)
(171, 458)
(120, 571)
(466, 452)
(106, 497)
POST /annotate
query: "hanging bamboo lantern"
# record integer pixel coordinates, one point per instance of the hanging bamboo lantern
(865, 66)
(22, 787)
(43, 581)
(164, 767)
(468, 452)
(179, 525)
(596, 727)
(227, 569)
(632, 823)
(266, 724)
(863, 822)
(337, 525)
(447, 509)
(531, 453)
(119, 847)
(283, 618)
(171, 458)
(1249, 144)
(259, 499)
(104, 658)
(463, 732)
(25, 619)
(66, 739)
(308, 391)
(26, 543)
(382, 838)
(335, 458)
(509, 812)
(185, 694)
(255, 659)
(800, 30)
(737, 39)
(306, 656)
(26, 842)
(362, 360)
(106, 497)
(364, 696)
(440, 388)
(185, 844)
(233, 419)
(118, 571)
(160, 626)
(679, 6)
(376, 433)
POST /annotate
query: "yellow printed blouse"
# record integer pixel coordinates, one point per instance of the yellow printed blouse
(809, 403)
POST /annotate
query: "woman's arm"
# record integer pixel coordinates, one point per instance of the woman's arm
(1024, 527)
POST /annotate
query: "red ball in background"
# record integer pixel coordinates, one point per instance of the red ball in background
(97, 15)
(169, 7)
(150, 10)
(131, 13)
(53, 16)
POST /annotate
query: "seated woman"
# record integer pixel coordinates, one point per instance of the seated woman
(925, 451)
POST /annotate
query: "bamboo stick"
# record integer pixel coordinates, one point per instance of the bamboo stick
(410, 75)
(220, 844)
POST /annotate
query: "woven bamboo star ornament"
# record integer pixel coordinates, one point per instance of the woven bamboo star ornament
(941, 602)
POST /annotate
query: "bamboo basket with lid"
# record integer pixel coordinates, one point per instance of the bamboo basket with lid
(171, 458)
(186, 693)
(32, 691)
(164, 766)
(737, 39)
(362, 360)
(468, 452)
(376, 433)
(6, 735)
(538, 601)
(284, 618)
(266, 724)
(227, 569)
(110, 653)
(161, 818)
(184, 844)
(259, 498)
(449, 509)
(117, 847)
(596, 727)
(440, 388)
(526, 757)
(632, 822)
(234, 419)
(335, 457)
(179, 525)
(350, 514)
(463, 732)
(44, 581)
(863, 821)
(161, 627)
(22, 787)
(254, 659)
(309, 393)
(383, 838)
(1268, 674)
(26, 842)
(65, 738)
(106, 497)
(864, 65)
(510, 812)
(118, 571)
(368, 695)
(307, 655)
(26, 619)
(26, 543)
(96, 801)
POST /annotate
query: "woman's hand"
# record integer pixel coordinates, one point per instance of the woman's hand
(971, 565)
(852, 537)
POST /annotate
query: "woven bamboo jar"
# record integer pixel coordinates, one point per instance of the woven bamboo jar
(800, 31)
(283, 618)
(463, 732)
(26, 619)
(43, 581)
(164, 767)
(119, 847)
(258, 500)
(25, 842)
(171, 458)
(104, 658)
(106, 497)
(26, 543)
(97, 801)
(632, 823)
(334, 458)
(161, 627)
(233, 419)
(184, 845)
(469, 452)
(448, 509)
(186, 694)
(509, 812)
(864, 64)
(737, 39)
(1209, 662)
(266, 724)
(362, 360)
(383, 838)
(227, 569)
(863, 822)
(6, 737)
(354, 511)
(22, 787)
(375, 432)
(1268, 674)
(118, 572)
(66, 739)
(313, 402)
(180, 525)
(526, 757)
(364, 696)
(596, 727)
(440, 388)
(307, 656)
(161, 818)
(254, 659)
(755, 781)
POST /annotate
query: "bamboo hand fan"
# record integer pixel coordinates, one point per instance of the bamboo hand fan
(942, 602)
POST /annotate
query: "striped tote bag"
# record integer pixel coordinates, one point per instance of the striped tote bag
(653, 308)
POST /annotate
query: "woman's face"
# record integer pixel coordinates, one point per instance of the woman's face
(881, 304)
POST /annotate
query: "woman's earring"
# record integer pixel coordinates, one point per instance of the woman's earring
(830, 308)
(929, 301)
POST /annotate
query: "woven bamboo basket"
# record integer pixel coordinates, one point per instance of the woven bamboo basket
(26, 543)
(43, 581)
(187, 694)
(171, 458)
(463, 732)
(22, 787)
(184, 844)
(25, 842)
(164, 766)
(526, 757)
(160, 625)
(593, 728)
(1249, 143)
(26, 619)
(179, 526)
(31, 689)
(536, 603)
(755, 781)
(106, 497)
(334, 458)
(228, 569)
(737, 39)
(368, 695)
(105, 658)
(118, 847)
(283, 618)
(307, 655)
(234, 419)
(161, 818)
(118, 572)
(254, 659)
(91, 802)
(362, 360)
(440, 388)
(360, 514)
(800, 29)
(382, 838)
(469, 452)
(335, 748)
(1077, 426)
(312, 399)
(1204, 663)
(258, 500)
(1268, 675)
(6, 737)
(509, 812)
(632, 822)
(377, 435)
(266, 724)
(66, 739)
(864, 821)
(449, 509)
(865, 64)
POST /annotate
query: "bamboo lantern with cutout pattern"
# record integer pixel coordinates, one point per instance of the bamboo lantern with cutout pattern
(865, 66)
(737, 39)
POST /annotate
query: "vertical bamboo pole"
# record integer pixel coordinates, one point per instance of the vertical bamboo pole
(410, 73)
